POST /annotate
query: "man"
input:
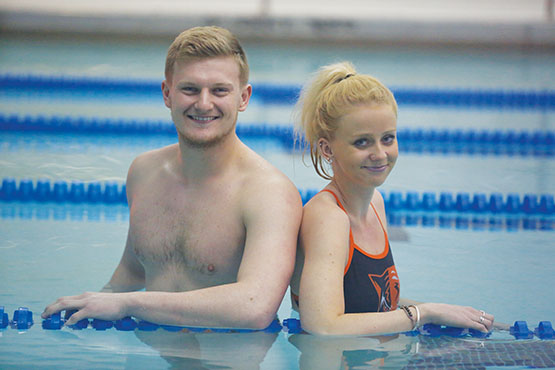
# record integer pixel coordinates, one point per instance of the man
(213, 226)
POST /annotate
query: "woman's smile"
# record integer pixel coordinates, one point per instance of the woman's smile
(380, 168)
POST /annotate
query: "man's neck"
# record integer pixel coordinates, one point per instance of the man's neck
(202, 163)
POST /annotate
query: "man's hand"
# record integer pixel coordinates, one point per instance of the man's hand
(104, 306)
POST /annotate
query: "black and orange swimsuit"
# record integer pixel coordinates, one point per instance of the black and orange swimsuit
(370, 282)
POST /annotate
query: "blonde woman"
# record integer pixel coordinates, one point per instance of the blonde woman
(345, 281)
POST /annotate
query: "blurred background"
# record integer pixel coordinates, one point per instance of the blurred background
(475, 83)
(454, 65)
(499, 22)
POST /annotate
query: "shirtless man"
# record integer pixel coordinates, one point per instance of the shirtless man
(213, 226)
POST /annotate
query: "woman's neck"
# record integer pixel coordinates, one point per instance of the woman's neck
(355, 199)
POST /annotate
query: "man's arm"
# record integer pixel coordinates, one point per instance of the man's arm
(272, 216)
(129, 275)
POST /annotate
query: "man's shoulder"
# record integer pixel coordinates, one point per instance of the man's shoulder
(260, 172)
(147, 164)
(262, 182)
(153, 157)
(268, 195)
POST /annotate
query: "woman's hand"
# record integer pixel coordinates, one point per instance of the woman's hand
(457, 316)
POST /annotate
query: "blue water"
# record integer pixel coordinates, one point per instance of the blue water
(50, 249)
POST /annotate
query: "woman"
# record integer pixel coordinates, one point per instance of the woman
(345, 282)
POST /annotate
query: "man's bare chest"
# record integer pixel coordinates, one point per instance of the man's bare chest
(190, 233)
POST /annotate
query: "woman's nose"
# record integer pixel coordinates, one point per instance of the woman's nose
(378, 153)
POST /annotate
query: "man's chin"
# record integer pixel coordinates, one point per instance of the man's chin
(204, 142)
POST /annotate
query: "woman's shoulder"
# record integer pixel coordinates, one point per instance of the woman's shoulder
(323, 211)
(325, 227)
(325, 201)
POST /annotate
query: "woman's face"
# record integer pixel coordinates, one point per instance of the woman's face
(364, 148)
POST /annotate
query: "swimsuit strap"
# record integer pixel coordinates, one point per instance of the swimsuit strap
(380, 221)
(352, 243)
(336, 199)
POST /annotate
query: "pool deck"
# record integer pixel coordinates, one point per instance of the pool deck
(510, 23)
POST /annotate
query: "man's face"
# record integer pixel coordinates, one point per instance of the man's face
(205, 97)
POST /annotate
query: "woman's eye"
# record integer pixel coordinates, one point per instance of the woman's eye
(361, 142)
(389, 139)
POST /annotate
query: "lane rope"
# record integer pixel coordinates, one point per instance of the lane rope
(23, 320)
(417, 140)
(269, 93)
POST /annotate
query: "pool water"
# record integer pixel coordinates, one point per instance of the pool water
(50, 249)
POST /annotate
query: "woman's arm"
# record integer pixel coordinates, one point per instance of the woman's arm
(324, 238)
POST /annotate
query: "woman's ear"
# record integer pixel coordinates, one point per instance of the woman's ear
(325, 149)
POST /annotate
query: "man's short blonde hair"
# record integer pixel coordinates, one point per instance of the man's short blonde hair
(207, 42)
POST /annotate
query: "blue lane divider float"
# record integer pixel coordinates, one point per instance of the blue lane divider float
(282, 94)
(105, 126)
(4, 320)
(63, 192)
(464, 202)
(477, 212)
(23, 320)
(432, 141)
(545, 330)
(94, 212)
(471, 222)
(56, 322)
(519, 330)
(111, 193)
(477, 142)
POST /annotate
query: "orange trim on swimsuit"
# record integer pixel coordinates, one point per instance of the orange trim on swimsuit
(295, 298)
(352, 243)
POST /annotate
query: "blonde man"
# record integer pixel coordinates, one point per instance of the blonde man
(209, 217)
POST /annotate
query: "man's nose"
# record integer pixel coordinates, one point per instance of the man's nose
(204, 101)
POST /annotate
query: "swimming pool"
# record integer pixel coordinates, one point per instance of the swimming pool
(500, 262)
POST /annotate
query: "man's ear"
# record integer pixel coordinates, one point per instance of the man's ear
(166, 94)
(246, 94)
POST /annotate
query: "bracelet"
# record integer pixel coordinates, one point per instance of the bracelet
(415, 323)
(408, 313)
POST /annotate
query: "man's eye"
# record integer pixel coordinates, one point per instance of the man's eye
(189, 89)
(221, 91)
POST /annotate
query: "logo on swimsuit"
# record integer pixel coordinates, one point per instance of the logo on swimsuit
(387, 286)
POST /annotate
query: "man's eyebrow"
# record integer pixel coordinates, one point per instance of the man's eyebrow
(223, 84)
(217, 84)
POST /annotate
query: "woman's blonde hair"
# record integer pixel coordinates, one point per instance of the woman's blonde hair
(207, 42)
(331, 94)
